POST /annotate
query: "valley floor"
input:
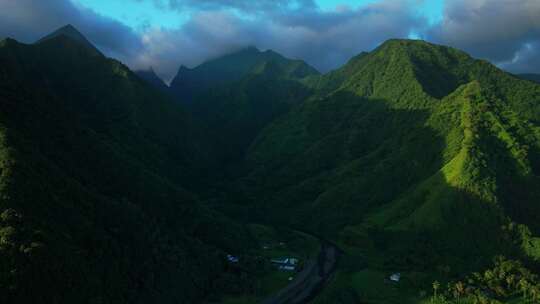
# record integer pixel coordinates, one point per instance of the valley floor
(362, 277)
(275, 284)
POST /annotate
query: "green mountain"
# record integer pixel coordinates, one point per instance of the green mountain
(414, 158)
(237, 95)
(71, 32)
(236, 114)
(230, 68)
(416, 154)
(95, 172)
(531, 77)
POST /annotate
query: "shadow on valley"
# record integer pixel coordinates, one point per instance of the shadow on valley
(235, 114)
(91, 207)
(381, 181)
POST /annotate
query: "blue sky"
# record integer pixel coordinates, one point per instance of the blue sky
(143, 13)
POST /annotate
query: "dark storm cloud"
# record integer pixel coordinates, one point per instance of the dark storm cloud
(526, 60)
(29, 20)
(506, 32)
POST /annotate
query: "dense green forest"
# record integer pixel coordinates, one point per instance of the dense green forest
(95, 167)
(237, 95)
(413, 158)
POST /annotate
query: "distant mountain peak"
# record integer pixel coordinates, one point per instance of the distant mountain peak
(433, 69)
(250, 49)
(234, 66)
(149, 70)
(150, 77)
(69, 27)
(402, 41)
(71, 32)
(183, 68)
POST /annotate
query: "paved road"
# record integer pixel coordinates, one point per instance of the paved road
(311, 280)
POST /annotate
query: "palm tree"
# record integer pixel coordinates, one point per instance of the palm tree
(459, 290)
(524, 287)
(534, 294)
(436, 286)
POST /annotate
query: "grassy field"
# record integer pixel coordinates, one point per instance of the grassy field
(363, 277)
(371, 286)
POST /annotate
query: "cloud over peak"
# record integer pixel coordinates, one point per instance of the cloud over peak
(506, 32)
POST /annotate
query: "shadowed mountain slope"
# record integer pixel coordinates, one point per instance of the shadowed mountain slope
(151, 78)
(94, 166)
(72, 33)
(239, 94)
(228, 69)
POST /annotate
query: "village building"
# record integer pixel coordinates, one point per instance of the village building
(396, 277)
(287, 264)
(232, 258)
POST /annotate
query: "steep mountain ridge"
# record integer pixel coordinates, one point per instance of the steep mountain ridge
(71, 32)
(93, 175)
(153, 79)
(229, 69)
(400, 69)
(247, 90)
(385, 148)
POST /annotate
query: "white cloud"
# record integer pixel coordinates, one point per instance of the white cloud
(498, 30)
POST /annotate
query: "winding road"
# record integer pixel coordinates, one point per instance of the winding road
(311, 280)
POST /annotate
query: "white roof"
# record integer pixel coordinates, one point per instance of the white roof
(395, 277)
(232, 258)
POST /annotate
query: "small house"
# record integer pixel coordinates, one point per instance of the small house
(280, 261)
(232, 258)
(288, 264)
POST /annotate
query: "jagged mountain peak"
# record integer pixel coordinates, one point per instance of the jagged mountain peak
(403, 66)
(150, 76)
(249, 49)
(71, 32)
(232, 67)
